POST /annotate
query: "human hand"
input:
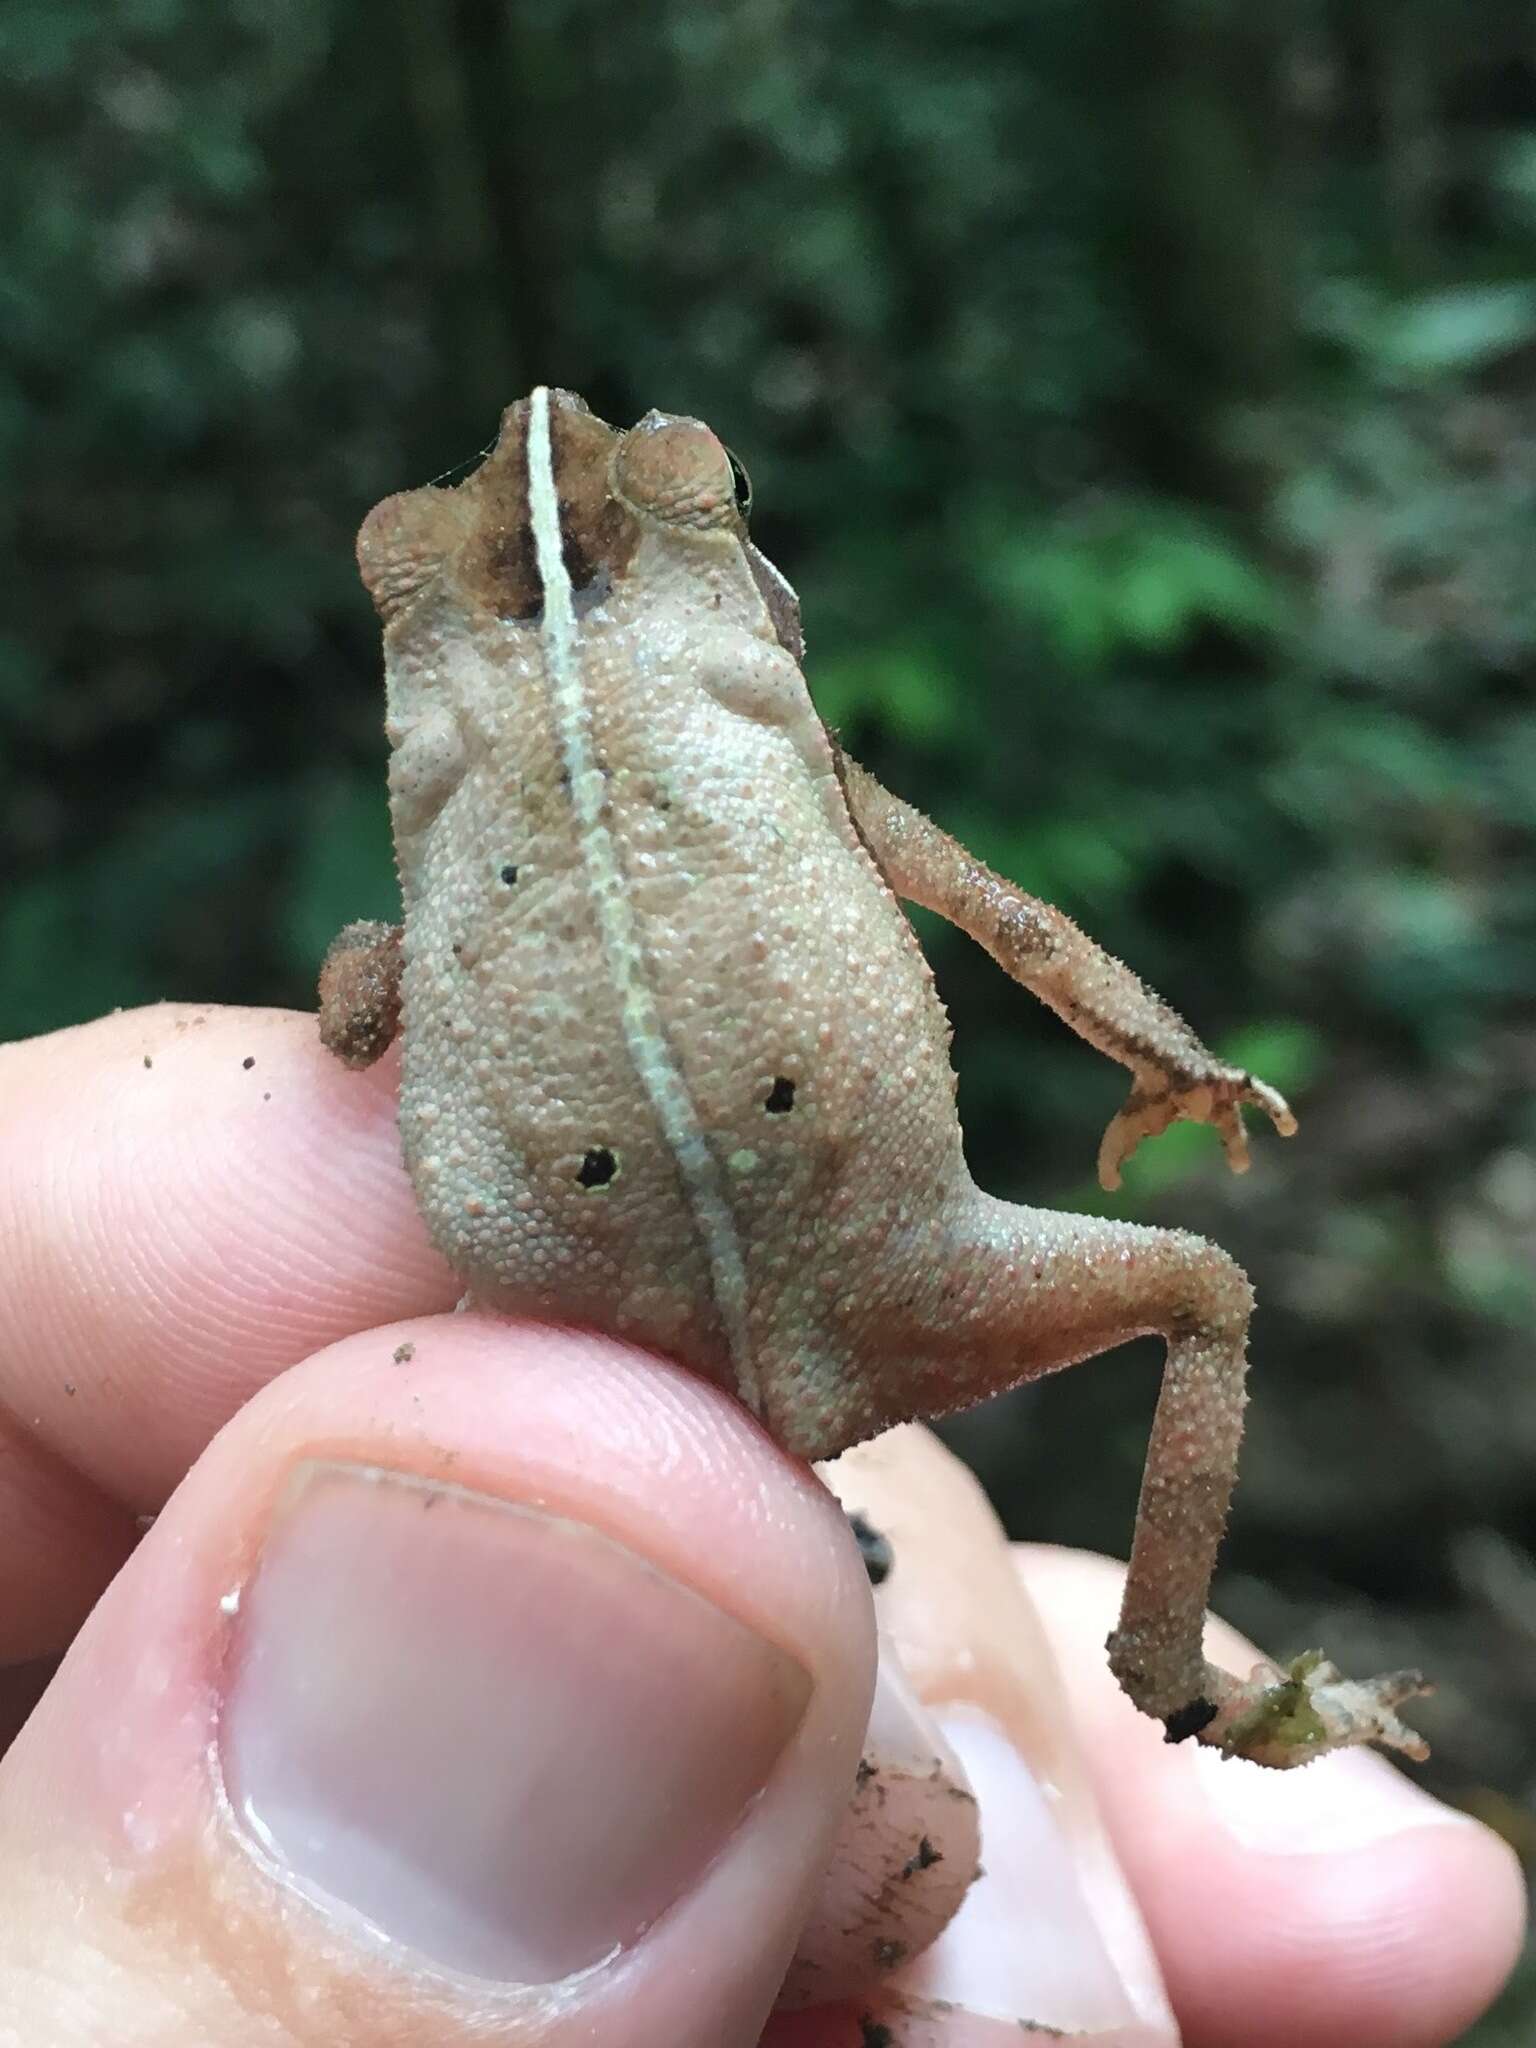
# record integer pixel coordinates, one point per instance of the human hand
(569, 1702)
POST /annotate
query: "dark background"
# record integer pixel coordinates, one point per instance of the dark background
(1142, 394)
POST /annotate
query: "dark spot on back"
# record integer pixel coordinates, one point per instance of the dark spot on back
(780, 1099)
(509, 874)
(598, 1168)
(923, 1857)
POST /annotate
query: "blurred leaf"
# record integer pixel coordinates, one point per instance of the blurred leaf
(344, 868)
(1460, 330)
(1134, 576)
(1494, 1283)
(22, 675)
(1360, 756)
(59, 965)
(1438, 334)
(1286, 1053)
(1071, 862)
(906, 690)
(1170, 1159)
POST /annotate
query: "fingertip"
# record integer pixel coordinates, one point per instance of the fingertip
(1049, 1937)
(904, 1858)
(192, 1199)
(1402, 1943)
(1354, 1908)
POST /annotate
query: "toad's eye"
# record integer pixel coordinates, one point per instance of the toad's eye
(742, 485)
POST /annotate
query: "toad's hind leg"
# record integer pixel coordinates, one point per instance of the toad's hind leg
(1031, 1290)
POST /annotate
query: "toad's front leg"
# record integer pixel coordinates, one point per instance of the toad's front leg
(360, 993)
(1173, 1076)
(1021, 1292)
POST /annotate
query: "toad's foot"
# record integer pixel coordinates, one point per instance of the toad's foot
(1215, 1097)
(1286, 1717)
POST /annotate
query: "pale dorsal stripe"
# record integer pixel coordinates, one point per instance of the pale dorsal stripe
(622, 951)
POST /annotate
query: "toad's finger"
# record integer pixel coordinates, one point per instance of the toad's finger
(1049, 1935)
(1228, 1120)
(1273, 1104)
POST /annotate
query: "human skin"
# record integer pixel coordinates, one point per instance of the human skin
(214, 1279)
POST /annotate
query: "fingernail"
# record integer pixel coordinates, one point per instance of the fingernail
(1029, 1943)
(903, 1736)
(500, 1737)
(1351, 1800)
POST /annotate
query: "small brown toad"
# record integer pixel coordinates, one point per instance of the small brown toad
(674, 1065)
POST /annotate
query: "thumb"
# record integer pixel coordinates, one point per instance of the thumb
(477, 1683)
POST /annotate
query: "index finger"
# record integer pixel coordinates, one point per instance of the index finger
(192, 1199)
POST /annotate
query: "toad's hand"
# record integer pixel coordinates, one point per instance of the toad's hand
(1214, 1095)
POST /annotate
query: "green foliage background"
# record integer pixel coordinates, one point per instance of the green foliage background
(1142, 394)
